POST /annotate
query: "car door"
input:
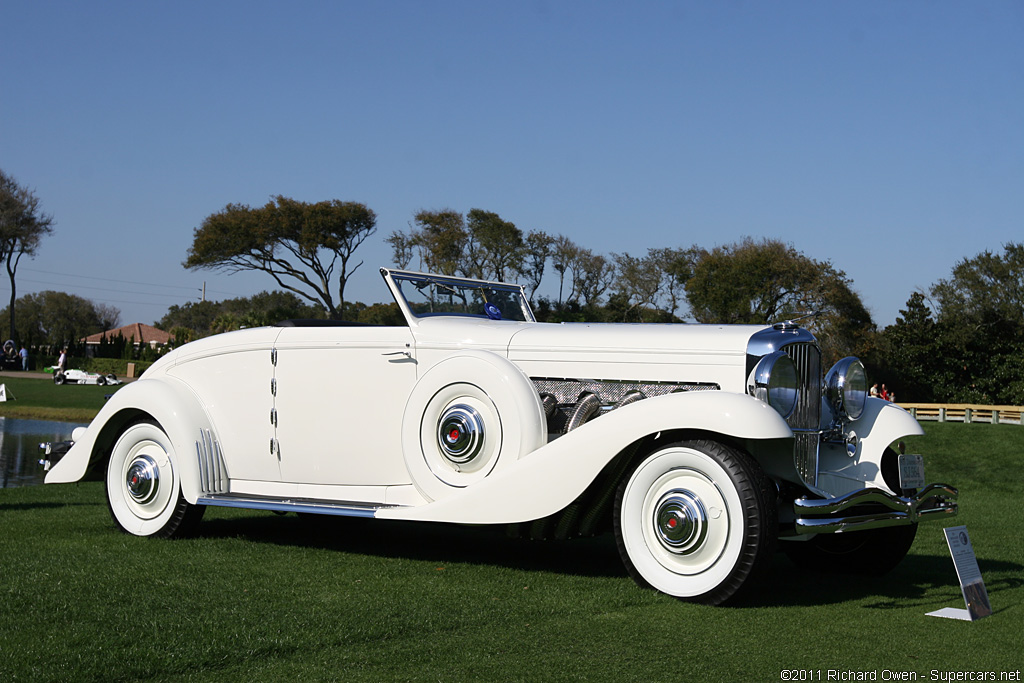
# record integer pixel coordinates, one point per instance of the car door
(341, 393)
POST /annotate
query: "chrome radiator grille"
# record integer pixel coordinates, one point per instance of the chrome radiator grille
(806, 418)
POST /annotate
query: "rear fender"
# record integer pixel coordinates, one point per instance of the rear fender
(551, 477)
(169, 403)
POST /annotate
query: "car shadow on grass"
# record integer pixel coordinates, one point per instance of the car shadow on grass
(425, 541)
(925, 581)
(928, 581)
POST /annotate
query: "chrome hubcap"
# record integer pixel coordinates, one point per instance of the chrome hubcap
(460, 433)
(143, 479)
(680, 522)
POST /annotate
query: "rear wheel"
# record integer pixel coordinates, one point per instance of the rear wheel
(873, 552)
(696, 520)
(58, 378)
(143, 485)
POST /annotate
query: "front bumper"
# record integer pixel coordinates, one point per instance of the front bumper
(873, 509)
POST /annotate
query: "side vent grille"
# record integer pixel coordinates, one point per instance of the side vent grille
(213, 477)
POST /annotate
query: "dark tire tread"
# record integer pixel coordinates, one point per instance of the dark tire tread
(757, 495)
(183, 521)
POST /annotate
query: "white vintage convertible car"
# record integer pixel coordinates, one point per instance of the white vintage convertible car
(702, 447)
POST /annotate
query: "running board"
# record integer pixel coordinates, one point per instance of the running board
(312, 506)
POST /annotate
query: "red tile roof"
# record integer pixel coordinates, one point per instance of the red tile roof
(141, 334)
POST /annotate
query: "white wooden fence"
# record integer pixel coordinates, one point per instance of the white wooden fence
(964, 412)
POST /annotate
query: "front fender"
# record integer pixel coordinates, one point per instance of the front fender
(879, 425)
(167, 401)
(551, 477)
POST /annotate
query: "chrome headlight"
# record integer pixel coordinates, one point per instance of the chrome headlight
(846, 388)
(776, 382)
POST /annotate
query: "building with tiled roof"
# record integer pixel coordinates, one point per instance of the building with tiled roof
(136, 334)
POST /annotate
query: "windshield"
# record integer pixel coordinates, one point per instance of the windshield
(430, 295)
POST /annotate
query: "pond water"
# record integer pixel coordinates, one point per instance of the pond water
(19, 448)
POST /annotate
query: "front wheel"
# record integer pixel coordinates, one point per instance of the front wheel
(143, 485)
(696, 520)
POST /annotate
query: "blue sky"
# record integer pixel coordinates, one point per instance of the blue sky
(885, 137)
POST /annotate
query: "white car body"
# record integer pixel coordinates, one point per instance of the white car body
(482, 419)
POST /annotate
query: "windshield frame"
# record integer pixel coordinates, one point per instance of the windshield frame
(396, 279)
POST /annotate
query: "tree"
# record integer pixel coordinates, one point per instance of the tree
(985, 290)
(537, 250)
(264, 308)
(495, 246)
(54, 319)
(595, 275)
(980, 319)
(402, 248)
(913, 358)
(196, 316)
(440, 237)
(564, 253)
(480, 244)
(640, 282)
(677, 267)
(306, 248)
(109, 316)
(23, 225)
(590, 275)
(768, 281)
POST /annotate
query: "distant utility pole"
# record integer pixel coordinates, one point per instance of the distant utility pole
(204, 290)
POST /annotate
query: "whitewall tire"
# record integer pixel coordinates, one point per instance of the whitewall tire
(143, 485)
(696, 520)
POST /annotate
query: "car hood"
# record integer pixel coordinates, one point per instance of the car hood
(713, 354)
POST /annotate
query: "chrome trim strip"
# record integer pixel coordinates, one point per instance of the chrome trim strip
(210, 460)
(204, 483)
(816, 516)
(300, 505)
(217, 478)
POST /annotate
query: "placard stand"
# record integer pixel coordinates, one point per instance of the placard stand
(971, 584)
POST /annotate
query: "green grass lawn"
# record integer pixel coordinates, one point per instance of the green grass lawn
(261, 597)
(41, 399)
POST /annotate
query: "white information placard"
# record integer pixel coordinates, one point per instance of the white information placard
(971, 584)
